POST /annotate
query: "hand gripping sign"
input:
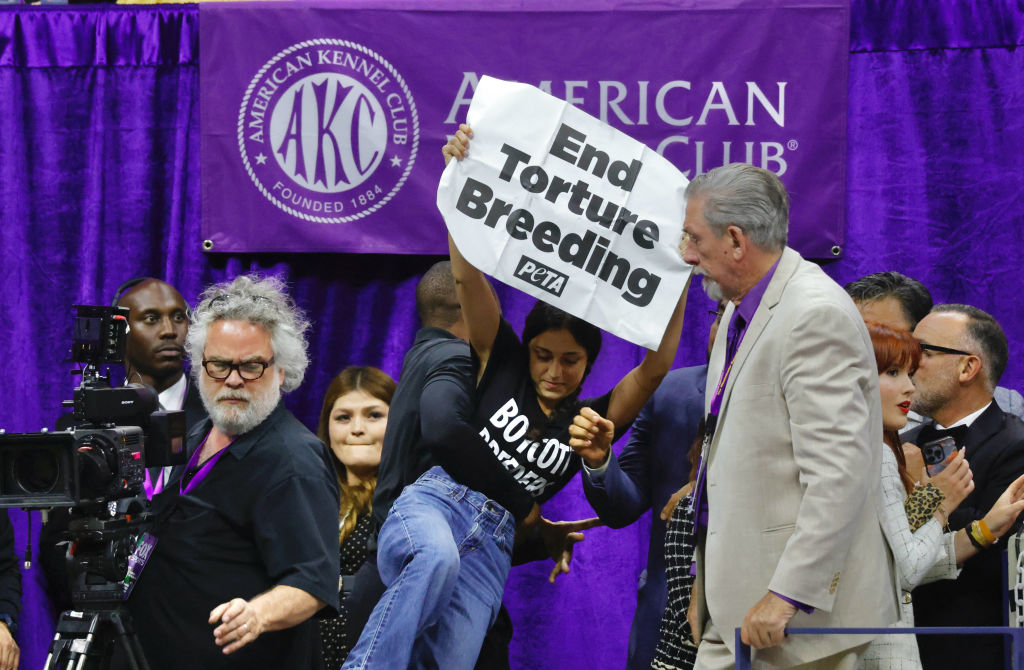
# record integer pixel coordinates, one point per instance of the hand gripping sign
(568, 209)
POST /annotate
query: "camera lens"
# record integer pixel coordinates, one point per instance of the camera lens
(96, 465)
(36, 471)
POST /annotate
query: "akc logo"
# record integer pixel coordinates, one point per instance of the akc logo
(328, 131)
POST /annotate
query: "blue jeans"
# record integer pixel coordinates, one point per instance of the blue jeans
(444, 553)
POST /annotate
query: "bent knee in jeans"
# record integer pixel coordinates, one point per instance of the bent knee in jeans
(416, 532)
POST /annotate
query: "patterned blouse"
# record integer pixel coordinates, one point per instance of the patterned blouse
(333, 637)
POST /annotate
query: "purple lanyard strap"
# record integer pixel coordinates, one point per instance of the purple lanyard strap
(203, 471)
(699, 504)
(149, 487)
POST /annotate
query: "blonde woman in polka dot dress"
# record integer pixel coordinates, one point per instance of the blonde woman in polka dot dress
(352, 423)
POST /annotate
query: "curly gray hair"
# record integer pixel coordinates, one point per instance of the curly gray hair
(739, 194)
(261, 301)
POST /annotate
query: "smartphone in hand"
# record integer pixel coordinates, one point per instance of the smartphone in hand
(936, 454)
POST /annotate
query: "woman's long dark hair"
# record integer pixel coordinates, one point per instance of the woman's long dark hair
(895, 347)
(355, 500)
(544, 317)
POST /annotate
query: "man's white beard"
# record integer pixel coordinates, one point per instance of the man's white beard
(712, 289)
(240, 420)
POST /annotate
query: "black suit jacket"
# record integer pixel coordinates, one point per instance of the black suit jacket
(195, 413)
(995, 451)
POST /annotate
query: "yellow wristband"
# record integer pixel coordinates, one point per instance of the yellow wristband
(985, 532)
(971, 536)
(979, 539)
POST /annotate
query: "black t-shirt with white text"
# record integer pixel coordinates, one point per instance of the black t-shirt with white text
(507, 409)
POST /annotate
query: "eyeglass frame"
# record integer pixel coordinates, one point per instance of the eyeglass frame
(944, 350)
(237, 367)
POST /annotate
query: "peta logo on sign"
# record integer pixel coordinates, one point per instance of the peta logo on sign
(328, 130)
(541, 276)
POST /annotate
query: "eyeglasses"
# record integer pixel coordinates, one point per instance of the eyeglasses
(944, 350)
(247, 370)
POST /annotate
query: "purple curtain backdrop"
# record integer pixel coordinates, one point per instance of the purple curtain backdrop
(99, 149)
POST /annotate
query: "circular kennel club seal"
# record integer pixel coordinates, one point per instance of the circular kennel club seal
(328, 130)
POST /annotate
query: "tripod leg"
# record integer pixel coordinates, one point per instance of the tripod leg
(72, 640)
(86, 641)
(122, 623)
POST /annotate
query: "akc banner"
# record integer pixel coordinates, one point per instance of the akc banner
(321, 125)
(562, 206)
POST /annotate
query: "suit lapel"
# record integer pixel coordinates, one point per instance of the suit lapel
(717, 361)
(773, 294)
(984, 427)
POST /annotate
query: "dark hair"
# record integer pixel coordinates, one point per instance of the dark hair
(436, 300)
(371, 380)
(895, 347)
(986, 332)
(912, 295)
(355, 500)
(544, 317)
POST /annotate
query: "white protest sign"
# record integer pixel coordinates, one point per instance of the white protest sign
(568, 209)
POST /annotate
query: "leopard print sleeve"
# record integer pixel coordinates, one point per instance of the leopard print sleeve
(921, 505)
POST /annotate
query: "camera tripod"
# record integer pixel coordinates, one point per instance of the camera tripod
(86, 640)
(87, 636)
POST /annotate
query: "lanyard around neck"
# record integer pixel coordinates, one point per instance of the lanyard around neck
(202, 472)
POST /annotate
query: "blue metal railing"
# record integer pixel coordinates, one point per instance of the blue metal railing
(1016, 636)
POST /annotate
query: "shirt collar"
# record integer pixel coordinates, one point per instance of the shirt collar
(750, 302)
(240, 444)
(173, 397)
(967, 420)
(431, 333)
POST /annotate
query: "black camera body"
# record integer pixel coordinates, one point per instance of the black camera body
(94, 469)
(71, 468)
(115, 433)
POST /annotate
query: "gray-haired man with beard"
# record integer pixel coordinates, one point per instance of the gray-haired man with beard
(246, 541)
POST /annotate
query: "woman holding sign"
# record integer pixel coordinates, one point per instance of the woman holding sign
(445, 549)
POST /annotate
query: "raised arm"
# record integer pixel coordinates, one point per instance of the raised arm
(480, 308)
(914, 551)
(998, 521)
(633, 391)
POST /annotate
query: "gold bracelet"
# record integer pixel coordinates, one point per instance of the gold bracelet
(985, 532)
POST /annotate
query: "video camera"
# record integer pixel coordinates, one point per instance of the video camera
(116, 433)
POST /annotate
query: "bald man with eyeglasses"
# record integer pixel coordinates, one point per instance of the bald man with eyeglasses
(964, 353)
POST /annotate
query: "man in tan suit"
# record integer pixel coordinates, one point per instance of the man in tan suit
(789, 531)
